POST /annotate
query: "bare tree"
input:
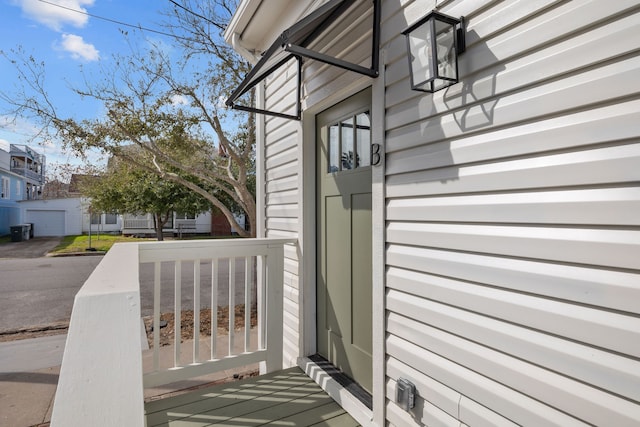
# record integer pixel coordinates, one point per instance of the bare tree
(170, 108)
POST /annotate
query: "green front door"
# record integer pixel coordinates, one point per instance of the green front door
(344, 237)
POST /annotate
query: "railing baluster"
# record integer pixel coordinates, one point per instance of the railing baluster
(177, 313)
(247, 302)
(214, 307)
(261, 281)
(261, 260)
(232, 302)
(196, 311)
(156, 315)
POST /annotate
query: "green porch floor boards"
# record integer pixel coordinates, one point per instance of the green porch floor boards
(284, 398)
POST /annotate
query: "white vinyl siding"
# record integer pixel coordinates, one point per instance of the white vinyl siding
(282, 209)
(513, 234)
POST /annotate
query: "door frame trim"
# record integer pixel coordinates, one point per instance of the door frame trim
(307, 244)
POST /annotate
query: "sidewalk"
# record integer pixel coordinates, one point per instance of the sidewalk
(29, 371)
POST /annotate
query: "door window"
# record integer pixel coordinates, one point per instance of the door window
(349, 143)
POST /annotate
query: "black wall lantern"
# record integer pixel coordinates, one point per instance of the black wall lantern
(433, 46)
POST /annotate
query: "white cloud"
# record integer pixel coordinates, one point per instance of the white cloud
(19, 126)
(21, 131)
(78, 48)
(55, 17)
(179, 100)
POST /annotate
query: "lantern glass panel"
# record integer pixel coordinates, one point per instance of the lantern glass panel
(419, 42)
(446, 50)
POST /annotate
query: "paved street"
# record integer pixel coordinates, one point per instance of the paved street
(39, 291)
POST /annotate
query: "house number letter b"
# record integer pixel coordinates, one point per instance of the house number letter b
(375, 154)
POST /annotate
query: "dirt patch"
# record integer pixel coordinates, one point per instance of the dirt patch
(167, 333)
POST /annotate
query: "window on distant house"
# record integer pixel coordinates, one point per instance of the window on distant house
(110, 218)
(5, 188)
(181, 215)
(95, 218)
(19, 190)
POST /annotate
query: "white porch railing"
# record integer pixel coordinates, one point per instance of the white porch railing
(138, 223)
(101, 379)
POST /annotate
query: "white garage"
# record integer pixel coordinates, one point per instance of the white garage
(55, 217)
(46, 222)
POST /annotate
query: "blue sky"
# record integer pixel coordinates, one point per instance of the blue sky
(67, 41)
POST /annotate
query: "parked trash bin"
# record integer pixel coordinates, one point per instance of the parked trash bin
(17, 233)
(20, 232)
(30, 229)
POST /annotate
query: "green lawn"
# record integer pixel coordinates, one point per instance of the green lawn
(100, 242)
(103, 242)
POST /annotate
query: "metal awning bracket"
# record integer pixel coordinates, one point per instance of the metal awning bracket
(294, 42)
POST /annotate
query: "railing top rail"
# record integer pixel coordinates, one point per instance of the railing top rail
(216, 242)
(116, 273)
(209, 248)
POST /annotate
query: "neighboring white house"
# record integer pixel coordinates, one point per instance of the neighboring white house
(492, 256)
(71, 216)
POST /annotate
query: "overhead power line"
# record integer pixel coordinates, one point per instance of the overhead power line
(204, 18)
(114, 21)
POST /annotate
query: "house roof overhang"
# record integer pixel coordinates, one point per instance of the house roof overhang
(294, 44)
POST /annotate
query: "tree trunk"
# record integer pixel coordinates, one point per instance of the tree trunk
(159, 224)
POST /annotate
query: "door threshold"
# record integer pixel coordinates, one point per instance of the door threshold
(362, 413)
(347, 383)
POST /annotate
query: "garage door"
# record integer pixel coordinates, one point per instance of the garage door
(47, 223)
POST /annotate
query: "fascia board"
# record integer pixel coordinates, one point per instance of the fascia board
(241, 18)
(255, 31)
